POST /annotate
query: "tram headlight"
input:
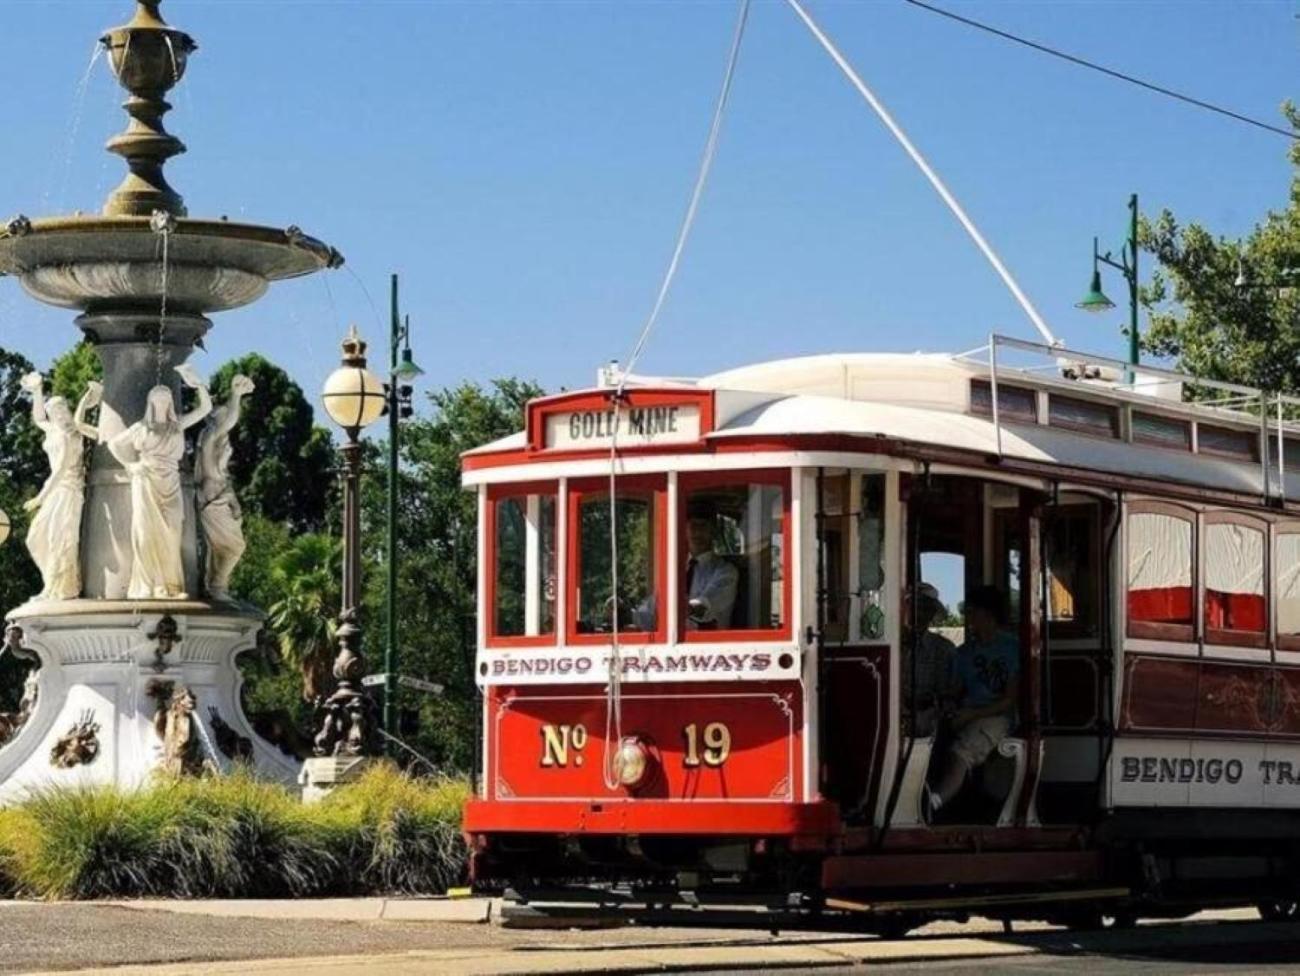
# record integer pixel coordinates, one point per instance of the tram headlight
(631, 762)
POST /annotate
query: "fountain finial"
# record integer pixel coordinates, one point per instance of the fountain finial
(148, 58)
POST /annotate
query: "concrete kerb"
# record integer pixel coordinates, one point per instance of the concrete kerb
(441, 909)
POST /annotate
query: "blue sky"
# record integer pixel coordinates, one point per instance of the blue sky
(525, 165)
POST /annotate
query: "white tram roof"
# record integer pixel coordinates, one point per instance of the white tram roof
(925, 399)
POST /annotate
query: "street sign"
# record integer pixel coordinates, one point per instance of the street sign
(417, 684)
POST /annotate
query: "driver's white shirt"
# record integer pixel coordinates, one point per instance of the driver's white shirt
(713, 584)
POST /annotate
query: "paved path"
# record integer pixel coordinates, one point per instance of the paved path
(137, 941)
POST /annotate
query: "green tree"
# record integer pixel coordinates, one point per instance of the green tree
(437, 536)
(1208, 323)
(22, 469)
(72, 371)
(282, 461)
(306, 578)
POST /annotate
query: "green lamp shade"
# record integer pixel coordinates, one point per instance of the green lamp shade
(1095, 300)
(406, 369)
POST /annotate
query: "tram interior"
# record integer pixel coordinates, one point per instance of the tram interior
(965, 538)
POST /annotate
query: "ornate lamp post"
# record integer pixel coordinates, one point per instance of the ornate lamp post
(354, 398)
(401, 372)
(1096, 301)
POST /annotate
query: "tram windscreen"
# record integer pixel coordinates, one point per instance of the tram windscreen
(637, 602)
(732, 576)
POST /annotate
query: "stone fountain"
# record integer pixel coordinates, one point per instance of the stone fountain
(135, 635)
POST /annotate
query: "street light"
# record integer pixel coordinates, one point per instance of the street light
(354, 398)
(398, 391)
(1096, 301)
(5, 526)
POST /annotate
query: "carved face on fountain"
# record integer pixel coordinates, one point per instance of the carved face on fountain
(160, 408)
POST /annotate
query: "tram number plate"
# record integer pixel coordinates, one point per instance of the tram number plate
(709, 747)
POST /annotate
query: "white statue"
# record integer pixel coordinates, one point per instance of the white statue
(55, 533)
(219, 510)
(151, 450)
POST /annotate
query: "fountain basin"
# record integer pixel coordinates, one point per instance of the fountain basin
(101, 264)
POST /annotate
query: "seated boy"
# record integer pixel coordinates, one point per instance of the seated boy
(987, 667)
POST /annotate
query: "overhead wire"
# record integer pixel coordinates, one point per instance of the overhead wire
(1101, 68)
(614, 692)
(940, 187)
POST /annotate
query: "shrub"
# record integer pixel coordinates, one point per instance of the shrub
(234, 837)
(404, 833)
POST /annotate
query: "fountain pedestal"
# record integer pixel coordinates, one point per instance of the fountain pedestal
(101, 659)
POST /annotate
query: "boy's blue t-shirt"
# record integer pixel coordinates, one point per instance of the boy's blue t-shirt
(986, 668)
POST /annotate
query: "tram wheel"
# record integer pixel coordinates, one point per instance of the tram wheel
(896, 926)
(1279, 911)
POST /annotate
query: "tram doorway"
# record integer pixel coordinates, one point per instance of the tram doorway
(1013, 712)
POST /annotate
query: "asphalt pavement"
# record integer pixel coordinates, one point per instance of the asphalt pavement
(147, 941)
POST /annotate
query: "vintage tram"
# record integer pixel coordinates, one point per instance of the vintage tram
(700, 663)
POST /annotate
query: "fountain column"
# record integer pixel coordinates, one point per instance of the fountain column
(135, 358)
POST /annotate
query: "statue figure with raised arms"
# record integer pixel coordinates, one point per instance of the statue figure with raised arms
(151, 450)
(218, 506)
(55, 533)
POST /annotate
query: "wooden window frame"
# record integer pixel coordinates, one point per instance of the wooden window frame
(1136, 436)
(1004, 414)
(1155, 630)
(495, 495)
(693, 481)
(1250, 458)
(1078, 428)
(1285, 642)
(656, 485)
(1072, 630)
(1235, 638)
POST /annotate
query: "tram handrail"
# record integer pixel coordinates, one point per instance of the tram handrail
(1241, 400)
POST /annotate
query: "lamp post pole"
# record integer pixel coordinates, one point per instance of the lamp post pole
(1127, 265)
(394, 431)
(401, 371)
(353, 398)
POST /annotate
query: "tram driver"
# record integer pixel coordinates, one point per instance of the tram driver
(987, 667)
(710, 580)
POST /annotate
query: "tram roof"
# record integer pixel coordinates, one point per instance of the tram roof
(926, 399)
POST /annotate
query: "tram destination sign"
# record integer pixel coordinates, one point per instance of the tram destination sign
(574, 666)
(635, 426)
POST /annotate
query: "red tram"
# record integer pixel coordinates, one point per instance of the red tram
(701, 668)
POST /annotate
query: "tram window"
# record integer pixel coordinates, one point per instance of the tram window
(1073, 582)
(1014, 402)
(733, 552)
(1149, 428)
(636, 520)
(1290, 451)
(1286, 589)
(1225, 441)
(1160, 561)
(1085, 416)
(523, 565)
(871, 556)
(1235, 608)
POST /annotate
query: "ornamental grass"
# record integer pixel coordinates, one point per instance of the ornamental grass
(235, 837)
